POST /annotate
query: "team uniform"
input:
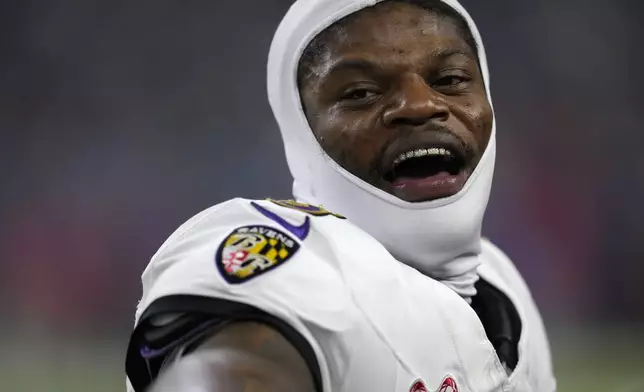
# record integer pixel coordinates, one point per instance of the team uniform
(362, 320)
(397, 297)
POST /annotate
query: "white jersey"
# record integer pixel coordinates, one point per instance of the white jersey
(370, 322)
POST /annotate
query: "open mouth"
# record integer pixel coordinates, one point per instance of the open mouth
(425, 162)
(430, 173)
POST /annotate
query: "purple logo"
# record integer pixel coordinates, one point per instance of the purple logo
(300, 232)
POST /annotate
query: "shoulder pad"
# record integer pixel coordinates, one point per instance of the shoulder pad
(240, 240)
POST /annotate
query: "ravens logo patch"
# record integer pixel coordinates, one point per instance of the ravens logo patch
(250, 251)
(306, 208)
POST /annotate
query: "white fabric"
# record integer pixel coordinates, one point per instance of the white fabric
(373, 323)
(441, 238)
(534, 371)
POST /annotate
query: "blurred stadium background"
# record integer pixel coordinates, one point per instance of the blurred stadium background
(121, 119)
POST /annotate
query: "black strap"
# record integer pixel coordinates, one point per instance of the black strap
(201, 316)
(501, 322)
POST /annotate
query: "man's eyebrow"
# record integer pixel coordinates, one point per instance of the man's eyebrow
(443, 54)
(351, 64)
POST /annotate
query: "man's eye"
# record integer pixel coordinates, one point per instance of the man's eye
(451, 81)
(358, 94)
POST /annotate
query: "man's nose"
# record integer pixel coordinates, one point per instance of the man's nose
(416, 104)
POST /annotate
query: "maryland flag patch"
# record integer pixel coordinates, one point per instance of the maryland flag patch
(251, 251)
(306, 208)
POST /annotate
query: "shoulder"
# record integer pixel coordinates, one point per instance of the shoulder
(286, 221)
(497, 265)
(246, 260)
(499, 270)
(253, 251)
(239, 211)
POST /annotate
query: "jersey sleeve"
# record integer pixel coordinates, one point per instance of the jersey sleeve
(238, 261)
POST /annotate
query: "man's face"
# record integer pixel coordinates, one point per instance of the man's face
(397, 99)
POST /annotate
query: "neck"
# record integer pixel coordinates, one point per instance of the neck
(461, 277)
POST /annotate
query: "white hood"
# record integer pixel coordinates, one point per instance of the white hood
(441, 238)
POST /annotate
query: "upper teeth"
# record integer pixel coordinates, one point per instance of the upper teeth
(421, 152)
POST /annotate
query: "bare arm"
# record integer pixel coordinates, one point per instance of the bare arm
(243, 357)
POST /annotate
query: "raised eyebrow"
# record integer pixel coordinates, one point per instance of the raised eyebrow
(351, 64)
(444, 54)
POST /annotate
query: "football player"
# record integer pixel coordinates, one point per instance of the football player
(387, 121)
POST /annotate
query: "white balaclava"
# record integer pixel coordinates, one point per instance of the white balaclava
(440, 238)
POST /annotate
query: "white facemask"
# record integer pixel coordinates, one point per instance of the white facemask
(441, 238)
